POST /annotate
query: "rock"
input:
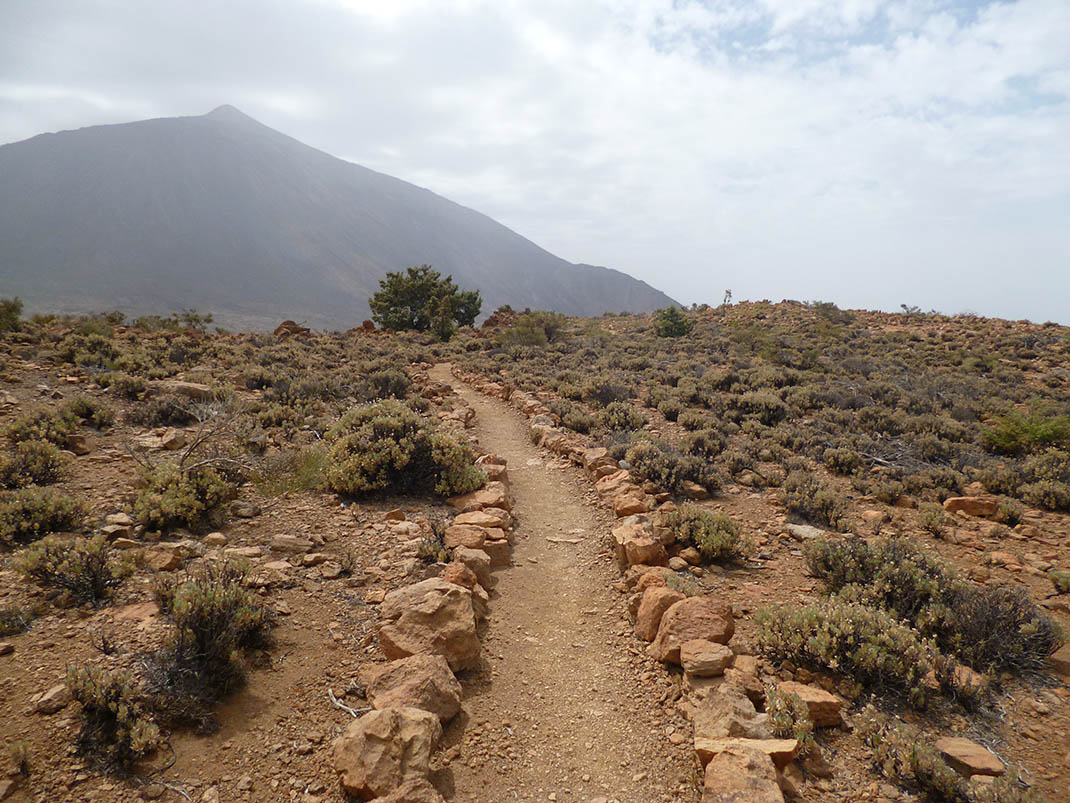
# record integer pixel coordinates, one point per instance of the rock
(465, 535)
(630, 503)
(780, 751)
(79, 444)
(655, 601)
(678, 564)
(495, 473)
(499, 551)
(162, 560)
(478, 562)
(488, 518)
(292, 544)
(414, 790)
(456, 572)
(173, 439)
(741, 774)
(1060, 660)
(972, 506)
(419, 681)
(51, 701)
(635, 544)
(692, 618)
(727, 713)
(7, 787)
(191, 390)
(397, 514)
(494, 494)
(115, 531)
(385, 749)
(331, 570)
(612, 484)
(968, 758)
(691, 555)
(824, 708)
(214, 539)
(805, 532)
(692, 490)
(430, 617)
(705, 659)
(6, 648)
(244, 510)
(119, 519)
(244, 551)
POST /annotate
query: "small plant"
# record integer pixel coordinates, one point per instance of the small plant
(118, 729)
(665, 466)
(671, 322)
(621, 416)
(31, 513)
(14, 620)
(166, 410)
(10, 312)
(216, 619)
(808, 498)
(790, 718)
(1060, 580)
(89, 411)
(171, 497)
(84, 568)
(933, 520)
(19, 753)
(715, 535)
(32, 462)
(292, 471)
(54, 426)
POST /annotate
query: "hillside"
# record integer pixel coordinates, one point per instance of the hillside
(223, 214)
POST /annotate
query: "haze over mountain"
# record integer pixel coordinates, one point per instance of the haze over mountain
(223, 214)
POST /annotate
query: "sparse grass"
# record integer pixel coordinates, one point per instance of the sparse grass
(291, 471)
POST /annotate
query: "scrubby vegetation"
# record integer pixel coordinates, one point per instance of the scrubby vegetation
(716, 536)
(31, 513)
(118, 728)
(85, 568)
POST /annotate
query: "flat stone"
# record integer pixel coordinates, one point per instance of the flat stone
(780, 751)
(705, 659)
(968, 758)
(824, 708)
(741, 774)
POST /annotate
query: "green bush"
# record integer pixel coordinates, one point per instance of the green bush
(387, 447)
(89, 411)
(865, 643)
(533, 329)
(716, 536)
(665, 466)
(421, 299)
(573, 416)
(216, 620)
(118, 729)
(933, 520)
(671, 322)
(30, 513)
(123, 385)
(171, 497)
(988, 628)
(1060, 581)
(31, 463)
(604, 391)
(705, 443)
(670, 408)
(803, 495)
(84, 568)
(1018, 433)
(14, 620)
(621, 416)
(763, 405)
(790, 718)
(10, 312)
(167, 410)
(54, 426)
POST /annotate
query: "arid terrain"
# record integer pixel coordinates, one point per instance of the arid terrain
(777, 551)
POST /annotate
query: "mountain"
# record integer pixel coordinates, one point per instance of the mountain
(225, 215)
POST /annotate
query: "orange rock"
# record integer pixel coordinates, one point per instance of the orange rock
(655, 601)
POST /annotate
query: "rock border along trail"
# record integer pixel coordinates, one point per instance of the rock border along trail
(565, 706)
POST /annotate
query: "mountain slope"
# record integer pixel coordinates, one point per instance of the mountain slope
(226, 215)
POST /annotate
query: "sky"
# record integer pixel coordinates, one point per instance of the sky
(863, 152)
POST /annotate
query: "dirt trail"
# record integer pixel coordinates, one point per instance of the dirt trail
(562, 709)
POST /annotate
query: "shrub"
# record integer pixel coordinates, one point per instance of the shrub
(386, 446)
(124, 385)
(54, 426)
(621, 416)
(604, 392)
(694, 420)
(933, 520)
(812, 500)
(763, 405)
(31, 463)
(89, 411)
(85, 568)
(867, 644)
(216, 619)
(384, 383)
(533, 329)
(421, 299)
(671, 322)
(117, 725)
(573, 416)
(30, 513)
(670, 408)
(1060, 580)
(706, 443)
(10, 312)
(167, 410)
(14, 620)
(843, 461)
(790, 718)
(171, 497)
(715, 535)
(987, 628)
(1018, 433)
(665, 466)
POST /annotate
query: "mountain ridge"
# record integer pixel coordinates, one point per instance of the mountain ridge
(224, 214)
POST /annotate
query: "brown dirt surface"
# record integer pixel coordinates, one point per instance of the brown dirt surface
(566, 704)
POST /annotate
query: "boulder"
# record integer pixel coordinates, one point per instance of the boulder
(191, 390)
(478, 562)
(419, 681)
(495, 494)
(780, 751)
(824, 707)
(489, 518)
(465, 535)
(290, 544)
(655, 601)
(692, 618)
(611, 484)
(726, 713)
(972, 506)
(414, 790)
(383, 750)
(741, 774)
(630, 503)
(432, 617)
(635, 544)
(499, 551)
(968, 758)
(456, 572)
(161, 560)
(51, 701)
(705, 659)
(692, 490)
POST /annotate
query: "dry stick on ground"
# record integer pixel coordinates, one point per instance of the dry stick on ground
(355, 712)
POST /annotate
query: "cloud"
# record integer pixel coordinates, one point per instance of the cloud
(868, 152)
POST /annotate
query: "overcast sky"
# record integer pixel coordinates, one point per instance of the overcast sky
(864, 152)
